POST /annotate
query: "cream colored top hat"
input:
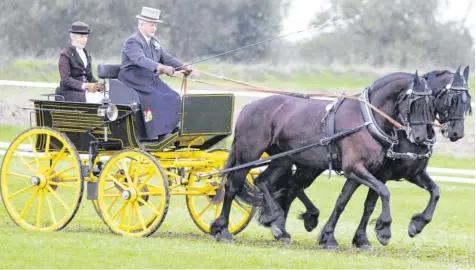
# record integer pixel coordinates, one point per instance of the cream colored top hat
(149, 14)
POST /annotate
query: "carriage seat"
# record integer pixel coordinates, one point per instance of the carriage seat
(119, 93)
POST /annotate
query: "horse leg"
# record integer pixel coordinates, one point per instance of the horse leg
(327, 238)
(272, 215)
(311, 216)
(219, 227)
(360, 239)
(236, 185)
(419, 221)
(382, 228)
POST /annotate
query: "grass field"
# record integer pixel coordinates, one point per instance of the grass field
(447, 242)
(292, 77)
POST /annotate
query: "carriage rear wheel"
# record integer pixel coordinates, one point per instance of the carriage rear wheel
(133, 194)
(40, 180)
(204, 209)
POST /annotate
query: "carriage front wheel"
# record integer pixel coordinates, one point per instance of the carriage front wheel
(40, 180)
(133, 194)
(205, 208)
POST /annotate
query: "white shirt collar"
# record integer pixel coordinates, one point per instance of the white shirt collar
(146, 38)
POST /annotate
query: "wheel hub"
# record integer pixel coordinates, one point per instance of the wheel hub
(129, 195)
(35, 181)
(38, 180)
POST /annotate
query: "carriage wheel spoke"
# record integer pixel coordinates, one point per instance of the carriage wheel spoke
(237, 206)
(27, 165)
(21, 191)
(47, 147)
(112, 195)
(122, 222)
(55, 161)
(139, 216)
(124, 203)
(28, 204)
(128, 177)
(131, 213)
(61, 185)
(112, 204)
(35, 154)
(148, 204)
(52, 191)
(145, 182)
(205, 209)
(52, 211)
(40, 208)
(116, 182)
(61, 172)
(19, 175)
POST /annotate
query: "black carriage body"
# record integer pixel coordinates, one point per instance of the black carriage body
(206, 120)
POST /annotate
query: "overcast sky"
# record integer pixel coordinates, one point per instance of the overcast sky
(302, 12)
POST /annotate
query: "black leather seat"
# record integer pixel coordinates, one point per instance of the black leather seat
(119, 93)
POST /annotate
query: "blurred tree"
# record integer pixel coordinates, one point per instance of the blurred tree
(402, 32)
(191, 29)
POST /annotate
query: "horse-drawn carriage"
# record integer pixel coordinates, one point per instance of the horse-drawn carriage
(128, 178)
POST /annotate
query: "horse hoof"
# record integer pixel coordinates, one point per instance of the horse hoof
(332, 246)
(223, 238)
(412, 231)
(277, 232)
(383, 239)
(286, 240)
(365, 247)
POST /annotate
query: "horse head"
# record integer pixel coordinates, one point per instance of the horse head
(452, 101)
(408, 98)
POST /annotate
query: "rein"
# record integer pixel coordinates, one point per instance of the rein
(262, 89)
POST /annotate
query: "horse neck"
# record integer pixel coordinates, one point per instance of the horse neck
(386, 100)
(440, 82)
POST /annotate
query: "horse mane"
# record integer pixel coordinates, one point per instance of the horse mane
(437, 73)
(383, 81)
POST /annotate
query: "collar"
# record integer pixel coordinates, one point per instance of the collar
(147, 39)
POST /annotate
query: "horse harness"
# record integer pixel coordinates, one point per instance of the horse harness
(388, 140)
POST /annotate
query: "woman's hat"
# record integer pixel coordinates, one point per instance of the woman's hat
(80, 28)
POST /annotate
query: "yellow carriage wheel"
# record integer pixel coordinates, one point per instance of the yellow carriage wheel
(204, 209)
(133, 194)
(41, 183)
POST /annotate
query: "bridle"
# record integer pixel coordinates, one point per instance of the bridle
(449, 115)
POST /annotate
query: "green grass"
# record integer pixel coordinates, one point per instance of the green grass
(290, 77)
(447, 242)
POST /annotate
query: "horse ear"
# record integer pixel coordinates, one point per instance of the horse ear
(457, 70)
(466, 73)
(415, 78)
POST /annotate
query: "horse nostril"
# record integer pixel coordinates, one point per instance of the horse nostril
(455, 134)
(418, 139)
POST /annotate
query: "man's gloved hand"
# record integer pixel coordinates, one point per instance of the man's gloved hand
(100, 87)
(187, 69)
(168, 70)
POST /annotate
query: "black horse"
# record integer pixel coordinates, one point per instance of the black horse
(291, 122)
(407, 160)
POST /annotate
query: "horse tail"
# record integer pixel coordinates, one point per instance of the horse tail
(248, 194)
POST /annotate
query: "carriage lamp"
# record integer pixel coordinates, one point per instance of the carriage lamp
(107, 112)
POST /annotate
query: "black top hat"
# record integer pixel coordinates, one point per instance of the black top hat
(80, 28)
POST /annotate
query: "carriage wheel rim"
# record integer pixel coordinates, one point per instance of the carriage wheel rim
(44, 185)
(239, 216)
(136, 212)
